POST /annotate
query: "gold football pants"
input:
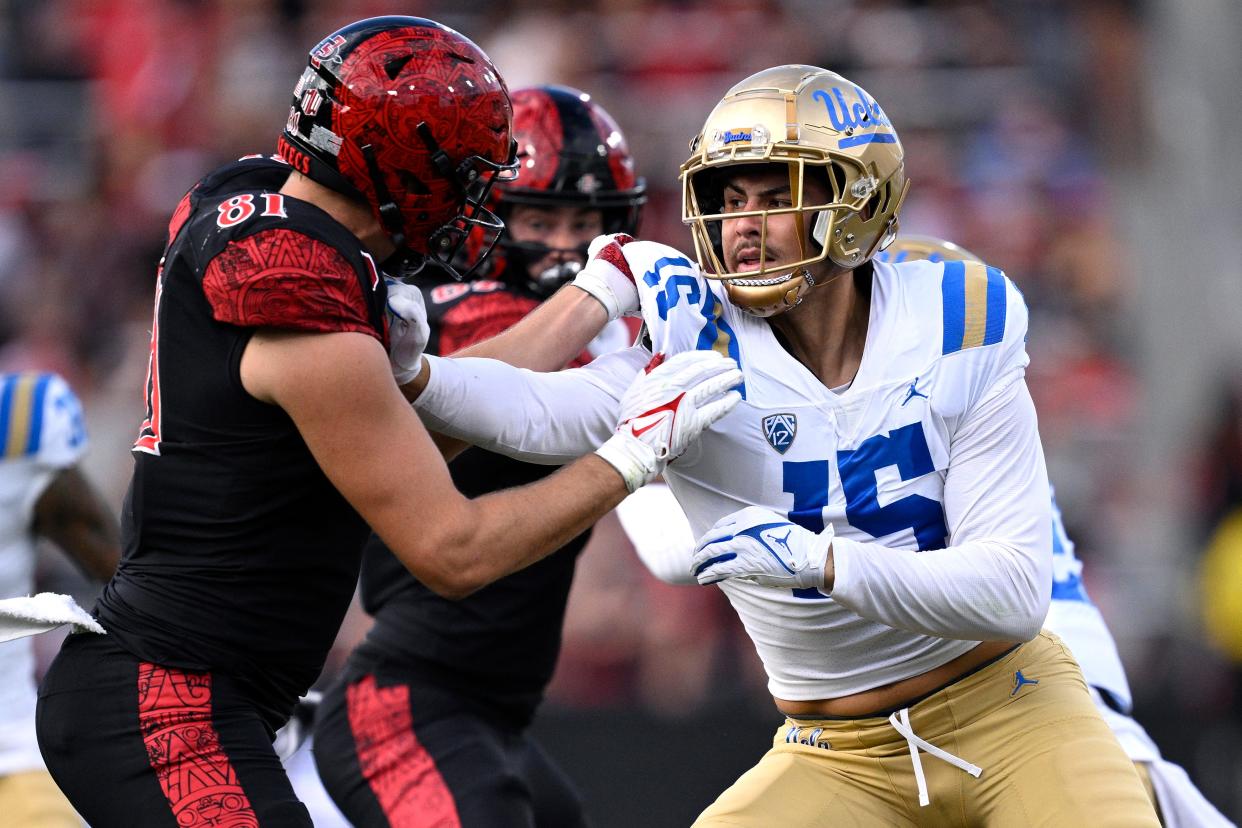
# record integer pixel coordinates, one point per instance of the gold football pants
(31, 800)
(1026, 722)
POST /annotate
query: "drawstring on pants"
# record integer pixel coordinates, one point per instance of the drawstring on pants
(901, 723)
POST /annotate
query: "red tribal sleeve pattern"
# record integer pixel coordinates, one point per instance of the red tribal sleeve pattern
(285, 279)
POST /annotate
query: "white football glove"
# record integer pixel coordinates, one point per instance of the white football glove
(761, 546)
(666, 407)
(607, 275)
(299, 727)
(408, 330)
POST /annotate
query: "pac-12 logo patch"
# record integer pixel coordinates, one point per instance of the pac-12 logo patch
(780, 430)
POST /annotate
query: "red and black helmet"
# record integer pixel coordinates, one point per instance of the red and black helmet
(411, 118)
(570, 152)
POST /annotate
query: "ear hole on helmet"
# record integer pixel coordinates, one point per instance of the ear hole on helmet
(393, 67)
(884, 197)
(869, 209)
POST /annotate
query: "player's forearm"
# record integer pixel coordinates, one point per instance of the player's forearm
(551, 336)
(547, 340)
(978, 591)
(541, 418)
(499, 533)
(72, 515)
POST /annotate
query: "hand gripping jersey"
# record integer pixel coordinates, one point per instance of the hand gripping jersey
(501, 643)
(239, 554)
(41, 433)
(929, 466)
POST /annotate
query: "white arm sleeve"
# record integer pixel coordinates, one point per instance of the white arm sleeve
(994, 581)
(656, 525)
(548, 418)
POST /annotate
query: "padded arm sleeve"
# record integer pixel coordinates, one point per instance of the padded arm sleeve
(540, 418)
(994, 580)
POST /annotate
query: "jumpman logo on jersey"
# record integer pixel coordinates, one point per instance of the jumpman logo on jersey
(913, 392)
(1019, 681)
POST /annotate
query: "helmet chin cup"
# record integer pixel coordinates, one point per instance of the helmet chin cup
(770, 296)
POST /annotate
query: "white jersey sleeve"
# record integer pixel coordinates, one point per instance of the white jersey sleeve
(993, 580)
(548, 418)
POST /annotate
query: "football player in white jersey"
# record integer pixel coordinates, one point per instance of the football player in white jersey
(42, 494)
(876, 508)
(1072, 616)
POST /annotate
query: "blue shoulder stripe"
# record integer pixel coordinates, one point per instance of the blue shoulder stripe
(21, 413)
(974, 305)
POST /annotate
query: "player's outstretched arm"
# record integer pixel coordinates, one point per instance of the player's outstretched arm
(547, 418)
(557, 331)
(338, 390)
(71, 514)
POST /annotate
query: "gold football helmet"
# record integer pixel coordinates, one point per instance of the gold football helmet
(912, 248)
(816, 123)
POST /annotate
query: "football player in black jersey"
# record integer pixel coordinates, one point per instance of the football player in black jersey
(275, 435)
(427, 726)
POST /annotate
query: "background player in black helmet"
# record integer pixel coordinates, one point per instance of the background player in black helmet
(427, 725)
(576, 182)
(275, 435)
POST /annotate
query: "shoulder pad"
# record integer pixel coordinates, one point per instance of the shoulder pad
(40, 417)
(975, 303)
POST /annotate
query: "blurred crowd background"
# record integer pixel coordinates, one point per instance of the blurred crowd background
(1088, 147)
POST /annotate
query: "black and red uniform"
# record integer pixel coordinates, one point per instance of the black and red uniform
(240, 556)
(427, 725)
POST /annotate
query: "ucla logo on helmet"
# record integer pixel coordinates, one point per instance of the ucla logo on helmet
(853, 109)
(780, 429)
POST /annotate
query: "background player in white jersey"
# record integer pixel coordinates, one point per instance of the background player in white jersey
(42, 494)
(876, 509)
(1074, 618)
